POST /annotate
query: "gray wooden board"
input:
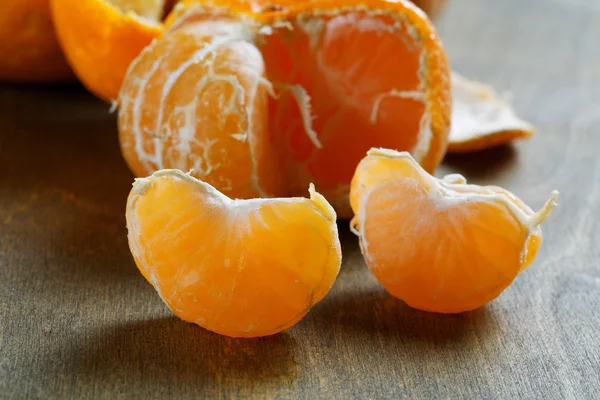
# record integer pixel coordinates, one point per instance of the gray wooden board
(79, 321)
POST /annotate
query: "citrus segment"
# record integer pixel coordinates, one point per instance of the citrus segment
(199, 103)
(100, 38)
(241, 268)
(481, 118)
(440, 244)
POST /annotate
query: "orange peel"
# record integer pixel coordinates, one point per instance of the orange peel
(100, 38)
(481, 118)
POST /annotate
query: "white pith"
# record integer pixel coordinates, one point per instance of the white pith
(303, 100)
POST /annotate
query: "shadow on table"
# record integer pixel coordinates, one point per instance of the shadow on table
(482, 165)
(169, 354)
(376, 312)
(359, 304)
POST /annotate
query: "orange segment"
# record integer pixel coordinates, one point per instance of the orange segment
(199, 103)
(333, 94)
(101, 37)
(241, 268)
(481, 118)
(440, 245)
(29, 51)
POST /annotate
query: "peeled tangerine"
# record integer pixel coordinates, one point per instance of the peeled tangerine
(260, 98)
(241, 268)
(439, 244)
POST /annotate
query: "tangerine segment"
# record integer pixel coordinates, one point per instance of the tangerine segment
(440, 245)
(481, 118)
(241, 268)
(29, 51)
(335, 93)
(196, 99)
(100, 38)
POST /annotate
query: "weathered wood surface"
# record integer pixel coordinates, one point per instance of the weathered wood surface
(79, 321)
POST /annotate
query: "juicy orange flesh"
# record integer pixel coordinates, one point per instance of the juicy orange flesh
(333, 60)
(198, 104)
(251, 269)
(440, 258)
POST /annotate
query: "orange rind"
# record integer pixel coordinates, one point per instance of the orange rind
(440, 245)
(241, 268)
(100, 38)
(312, 98)
(481, 118)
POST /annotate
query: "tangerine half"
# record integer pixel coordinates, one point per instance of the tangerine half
(440, 245)
(241, 268)
(262, 98)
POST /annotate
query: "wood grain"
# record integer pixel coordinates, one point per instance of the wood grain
(77, 320)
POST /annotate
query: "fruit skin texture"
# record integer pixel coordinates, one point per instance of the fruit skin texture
(440, 245)
(29, 51)
(326, 107)
(241, 268)
(100, 41)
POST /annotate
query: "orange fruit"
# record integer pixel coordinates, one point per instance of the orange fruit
(241, 268)
(100, 38)
(29, 51)
(481, 118)
(439, 244)
(275, 95)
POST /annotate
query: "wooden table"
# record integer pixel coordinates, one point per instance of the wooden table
(79, 321)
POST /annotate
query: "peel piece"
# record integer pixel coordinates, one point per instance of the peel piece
(481, 118)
